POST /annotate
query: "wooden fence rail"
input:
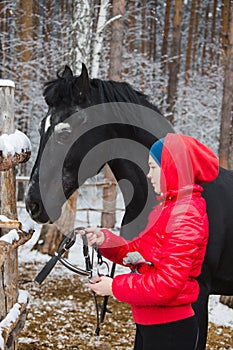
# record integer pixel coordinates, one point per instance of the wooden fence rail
(88, 210)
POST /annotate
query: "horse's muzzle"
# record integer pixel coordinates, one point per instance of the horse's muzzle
(37, 212)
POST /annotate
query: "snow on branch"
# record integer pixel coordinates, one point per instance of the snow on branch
(11, 320)
(10, 237)
(111, 20)
(7, 83)
(12, 240)
(14, 149)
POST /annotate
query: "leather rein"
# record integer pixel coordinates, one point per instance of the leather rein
(66, 243)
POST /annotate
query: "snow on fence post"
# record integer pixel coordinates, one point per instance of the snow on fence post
(12, 304)
(7, 181)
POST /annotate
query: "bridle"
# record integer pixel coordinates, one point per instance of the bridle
(66, 243)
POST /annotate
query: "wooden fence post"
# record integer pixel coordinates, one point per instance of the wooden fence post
(9, 268)
(108, 217)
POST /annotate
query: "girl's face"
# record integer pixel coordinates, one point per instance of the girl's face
(154, 174)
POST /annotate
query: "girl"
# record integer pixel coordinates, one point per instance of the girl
(166, 258)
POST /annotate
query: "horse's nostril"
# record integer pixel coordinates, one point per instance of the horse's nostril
(35, 208)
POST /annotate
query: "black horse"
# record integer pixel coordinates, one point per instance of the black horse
(91, 122)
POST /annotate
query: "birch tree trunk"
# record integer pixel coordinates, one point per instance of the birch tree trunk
(80, 38)
(174, 65)
(98, 43)
(108, 217)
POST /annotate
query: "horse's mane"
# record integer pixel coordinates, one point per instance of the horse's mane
(64, 90)
(114, 91)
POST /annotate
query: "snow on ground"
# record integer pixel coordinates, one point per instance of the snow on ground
(219, 314)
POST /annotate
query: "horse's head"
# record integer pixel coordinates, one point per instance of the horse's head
(54, 176)
(91, 122)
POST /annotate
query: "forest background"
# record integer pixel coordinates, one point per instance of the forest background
(179, 53)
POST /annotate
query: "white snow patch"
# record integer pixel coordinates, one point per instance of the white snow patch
(1, 342)
(23, 296)
(220, 314)
(7, 82)
(13, 314)
(11, 317)
(4, 218)
(28, 225)
(14, 143)
(10, 237)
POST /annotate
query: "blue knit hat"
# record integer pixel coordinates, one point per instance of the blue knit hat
(156, 150)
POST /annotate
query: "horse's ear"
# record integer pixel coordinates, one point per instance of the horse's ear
(84, 72)
(67, 72)
(84, 79)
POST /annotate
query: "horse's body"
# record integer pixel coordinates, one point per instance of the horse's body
(120, 135)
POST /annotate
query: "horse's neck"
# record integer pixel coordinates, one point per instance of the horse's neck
(138, 196)
(132, 179)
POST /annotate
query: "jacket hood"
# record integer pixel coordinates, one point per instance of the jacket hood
(185, 162)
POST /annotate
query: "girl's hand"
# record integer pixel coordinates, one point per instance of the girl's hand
(103, 286)
(94, 235)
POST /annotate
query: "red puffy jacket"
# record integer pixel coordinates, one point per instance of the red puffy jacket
(174, 240)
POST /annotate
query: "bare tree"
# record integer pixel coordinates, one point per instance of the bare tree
(118, 8)
(225, 23)
(108, 218)
(130, 40)
(24, 48)
(197, 15)
(190, 41)
(213, 32)
(165, 34)
(174, 64)
(226, 142)
(207, 11)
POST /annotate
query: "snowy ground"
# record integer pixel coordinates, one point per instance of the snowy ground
(220, 316)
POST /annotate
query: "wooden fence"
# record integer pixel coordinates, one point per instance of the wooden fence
(14, 149)
(83, 209)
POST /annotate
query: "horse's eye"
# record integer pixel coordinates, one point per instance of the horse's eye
(62, 133)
